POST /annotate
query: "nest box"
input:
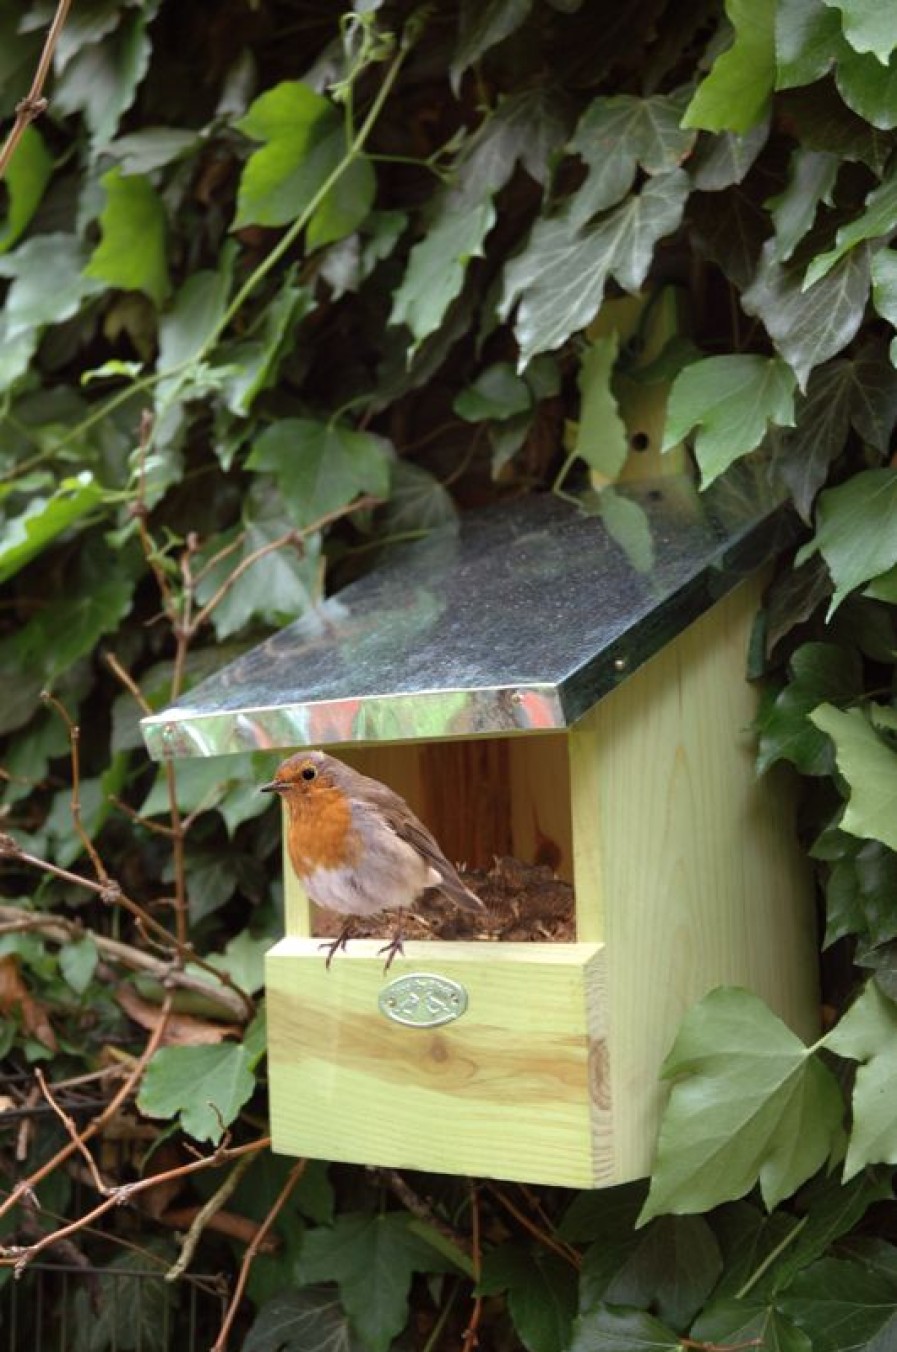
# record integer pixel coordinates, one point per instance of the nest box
(521, 679)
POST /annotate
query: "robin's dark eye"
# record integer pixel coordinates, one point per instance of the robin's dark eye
(309, 772)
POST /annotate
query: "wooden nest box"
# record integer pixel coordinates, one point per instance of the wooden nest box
(533, 690)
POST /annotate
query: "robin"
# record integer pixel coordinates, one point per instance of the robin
(357, 847)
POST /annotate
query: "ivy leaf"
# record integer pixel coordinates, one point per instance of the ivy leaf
(723, 160)
(821, 122)
(497, 393)
(856, 530)
(868, 87)
(748, 1102)
(626, 523)
(884, 290)
(843, 1305)
(131, 252)
(807, 40)
(811, 178)
(142, 152)
(481, 25)
(102, 78)
(867, 27)
(305, 143)
(744, 1323)
(831, 1208)
(809, 326)
(868, 1034)
(732, 401)
(606, 1329)
(616, 136)
(672, 1268)
(560, 278)
(312, 1320)
(839, 394)
(541, 1294)
(819, 672)
(27, 175)
(735, 95)
(437, 266)
(44, 519)
(373, 1258)
(48, 285)
(601, 437)
(78, 962)
(194, 316)
(870, 768)
(256, 361)
(128, 1308)
(204, 1087)
(320, 467)
(529, 127)
(875, 220)
(243, 959)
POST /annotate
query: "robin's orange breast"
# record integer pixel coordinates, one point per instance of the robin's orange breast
(320, 834)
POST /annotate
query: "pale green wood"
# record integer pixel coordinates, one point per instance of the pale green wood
(515, 1088)
(686, 863)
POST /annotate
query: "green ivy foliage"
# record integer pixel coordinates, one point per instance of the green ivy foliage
(259, 259)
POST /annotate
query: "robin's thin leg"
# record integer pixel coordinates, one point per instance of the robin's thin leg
(395, 944)
(334, 945)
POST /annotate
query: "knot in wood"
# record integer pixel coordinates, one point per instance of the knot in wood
(31, 107)
(110, 894)
(8, 846)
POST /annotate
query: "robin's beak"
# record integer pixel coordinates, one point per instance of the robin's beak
(274, 787)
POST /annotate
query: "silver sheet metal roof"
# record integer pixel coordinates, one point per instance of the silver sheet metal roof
(517, 621)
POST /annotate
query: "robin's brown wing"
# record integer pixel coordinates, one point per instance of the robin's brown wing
(398, 816)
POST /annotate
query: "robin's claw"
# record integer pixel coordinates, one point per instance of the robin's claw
(334, 945)
(394, 947)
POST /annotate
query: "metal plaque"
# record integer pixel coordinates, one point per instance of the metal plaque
(422, 1000)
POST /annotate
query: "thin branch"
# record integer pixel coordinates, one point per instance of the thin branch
(34, 104)
(543, 1236)
(220, 1344)
(11, 1257)
(128, 681)
(27, 1185)
(420, 1208)
(72, 1130)
(74, 733)
(203, 1216)
(295, 537)
(60, 930)
(471, 1333)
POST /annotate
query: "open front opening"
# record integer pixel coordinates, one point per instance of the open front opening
(500, 810)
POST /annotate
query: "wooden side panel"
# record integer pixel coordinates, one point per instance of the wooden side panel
(515, 1088)
(686, 862)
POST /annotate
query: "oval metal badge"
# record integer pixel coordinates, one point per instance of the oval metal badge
(422, 1000)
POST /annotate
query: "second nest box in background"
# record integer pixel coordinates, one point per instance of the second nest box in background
(521, 681)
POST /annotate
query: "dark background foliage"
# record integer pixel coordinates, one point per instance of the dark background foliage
(285, 285)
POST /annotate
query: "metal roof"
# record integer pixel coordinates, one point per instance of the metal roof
(517, 620)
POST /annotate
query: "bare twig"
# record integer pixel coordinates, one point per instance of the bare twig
(59, 930)
(128, 682)
(471, 1333)
(33, 104)
(545, 1237)
(293, 1178)
(419, 1207)
(74, 733)
(72, 1130)
(294, 537)
(20, 1259)
(27, 1185)
(203, 1216)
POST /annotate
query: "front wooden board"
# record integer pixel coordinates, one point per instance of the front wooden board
(515, 1088)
